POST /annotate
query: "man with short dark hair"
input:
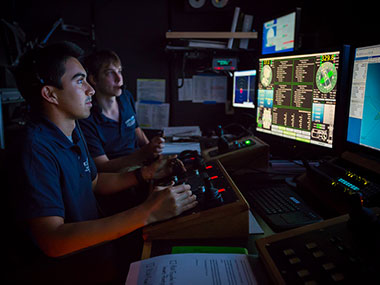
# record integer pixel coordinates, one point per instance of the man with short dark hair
(113, 135)
(56, 177)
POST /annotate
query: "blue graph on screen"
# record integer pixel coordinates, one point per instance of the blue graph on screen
(370, 127)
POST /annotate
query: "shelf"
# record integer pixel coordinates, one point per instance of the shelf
(211, 35)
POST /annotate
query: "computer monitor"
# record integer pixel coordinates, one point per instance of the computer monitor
(363, 128)
(244, 86)
(280, 34)
(297, 97)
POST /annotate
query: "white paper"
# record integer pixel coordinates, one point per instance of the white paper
(182, 131)
(190, 269)
(178, 147)
(254, 227)
(185, 93)
(152, 116)
(151, 90)
(209, 89)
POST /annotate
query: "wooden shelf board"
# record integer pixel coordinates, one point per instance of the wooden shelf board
(211, 35)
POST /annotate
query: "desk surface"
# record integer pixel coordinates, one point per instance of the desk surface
(245, 177)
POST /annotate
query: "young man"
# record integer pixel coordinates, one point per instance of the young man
(113, 135)
(56, 178)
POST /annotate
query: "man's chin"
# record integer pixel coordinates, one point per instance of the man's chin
(118, 93)
(85, 115)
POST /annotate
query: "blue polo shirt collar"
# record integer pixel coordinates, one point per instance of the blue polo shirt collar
(97, 111)
(55, 134)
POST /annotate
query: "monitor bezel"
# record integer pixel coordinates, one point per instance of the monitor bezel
(297, 38)
(297, 149)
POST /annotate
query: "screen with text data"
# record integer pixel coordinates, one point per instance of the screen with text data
(364, 113)
(296, 97)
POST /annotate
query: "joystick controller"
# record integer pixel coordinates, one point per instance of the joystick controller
(211, 194)
(223, 145)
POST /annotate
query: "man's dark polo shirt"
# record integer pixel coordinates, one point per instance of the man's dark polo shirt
(106, 136)
(55, 175)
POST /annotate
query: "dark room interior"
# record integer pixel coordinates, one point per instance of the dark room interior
(335, 178)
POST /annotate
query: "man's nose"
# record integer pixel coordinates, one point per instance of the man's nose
(90, 90)
(119, 77)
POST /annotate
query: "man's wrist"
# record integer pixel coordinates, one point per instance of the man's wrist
(140, 177)
(146, 173)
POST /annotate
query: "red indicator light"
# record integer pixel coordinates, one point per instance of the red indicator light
(192, 158)
(213, 177)
(208, 167)
(221, 190)
(241, 90)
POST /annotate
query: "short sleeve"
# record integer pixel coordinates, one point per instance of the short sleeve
(40, 186)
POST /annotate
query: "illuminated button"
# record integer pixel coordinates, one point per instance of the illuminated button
(288, 252)
(294, 260)
(311, 245)
(328, 266)
(311, 282)
(337, 276)
(303, 273)
(318, 254)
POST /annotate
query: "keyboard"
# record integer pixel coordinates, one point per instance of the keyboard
(280, 207)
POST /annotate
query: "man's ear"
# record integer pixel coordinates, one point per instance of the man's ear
(49, 94)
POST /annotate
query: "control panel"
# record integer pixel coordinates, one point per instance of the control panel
(242, 153)
(207, 181)
(221, 211)
(334, 251)
(229, 64)
(347, 180)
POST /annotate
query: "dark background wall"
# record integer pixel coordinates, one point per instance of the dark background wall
(136, 31)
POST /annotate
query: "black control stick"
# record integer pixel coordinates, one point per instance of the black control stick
(223, 145)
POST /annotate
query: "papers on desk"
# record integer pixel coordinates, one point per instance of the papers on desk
(182, 131)
(254, 227)
(152, 115)
(192, 268)
(178, 147)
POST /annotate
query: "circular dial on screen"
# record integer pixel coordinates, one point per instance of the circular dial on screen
(326, 77)
(197, 3)
(266, 76)
(219, 3)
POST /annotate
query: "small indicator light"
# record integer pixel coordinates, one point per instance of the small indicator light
(213, 177)
(221, 190)
(247, 142)
(208, 167)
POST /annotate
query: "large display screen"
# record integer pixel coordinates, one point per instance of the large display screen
(296, 97)
(364, 113)
(279, 34)
(244, 89)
